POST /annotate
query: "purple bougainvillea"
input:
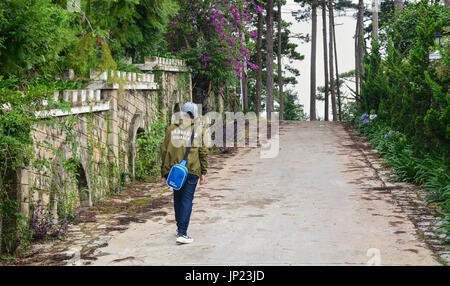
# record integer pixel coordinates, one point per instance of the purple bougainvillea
(226, 23)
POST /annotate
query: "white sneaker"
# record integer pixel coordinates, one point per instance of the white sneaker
(184, 239)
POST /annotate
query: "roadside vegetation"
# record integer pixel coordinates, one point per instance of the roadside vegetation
(410, 165)
(404, 104)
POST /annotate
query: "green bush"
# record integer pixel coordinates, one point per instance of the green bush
(34, 36)
(405, 87)
(148, 150)
(410, 94)
(424, 169)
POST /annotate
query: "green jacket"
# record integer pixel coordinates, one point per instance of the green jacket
(173, 148)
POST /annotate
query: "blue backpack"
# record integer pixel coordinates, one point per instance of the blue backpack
(178, 173)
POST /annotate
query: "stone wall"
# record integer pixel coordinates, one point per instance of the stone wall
(88, 151)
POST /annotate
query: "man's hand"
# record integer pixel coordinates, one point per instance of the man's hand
(202, 179)
(163, 180)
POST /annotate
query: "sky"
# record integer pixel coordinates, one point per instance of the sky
(345, 30)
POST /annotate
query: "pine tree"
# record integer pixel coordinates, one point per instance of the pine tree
(269, 60)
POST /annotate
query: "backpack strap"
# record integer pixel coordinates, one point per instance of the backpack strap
(188, 148)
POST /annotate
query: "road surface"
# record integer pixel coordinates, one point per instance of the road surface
(316, 203)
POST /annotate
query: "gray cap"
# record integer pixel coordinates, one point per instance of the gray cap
(190, 107)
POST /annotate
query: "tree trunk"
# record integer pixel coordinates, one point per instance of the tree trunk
(337, 73)
(375, 18)
(259, 63)
(269, 62)
(244, 84)
(280, 71)
(325, 54)
(245, 92)
(361, 35)
(360, 41)
(312, 107)
(331, 62)
(357, 62)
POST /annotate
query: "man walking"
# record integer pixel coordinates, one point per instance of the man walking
(177, 138)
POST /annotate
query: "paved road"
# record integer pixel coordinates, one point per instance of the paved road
(310, 205)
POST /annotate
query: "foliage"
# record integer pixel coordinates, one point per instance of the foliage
(34, 36)
(349, 110)
(402, 28)
(407, 89)
(397, 149)
(375, 84)
(16, 232)
(288, 51)
(292, 109)
(42, 223)
(39, 38)
(148, 152)
(131, 28)
(215, 39)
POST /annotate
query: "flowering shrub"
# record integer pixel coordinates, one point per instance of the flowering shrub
(215, 38)
(398, 151)
(368, 118)
(43, 225)
(390, 133)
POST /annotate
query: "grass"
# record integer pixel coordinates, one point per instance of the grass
(140, 202)
(106, 209)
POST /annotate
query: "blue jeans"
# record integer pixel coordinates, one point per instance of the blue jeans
(182, 202)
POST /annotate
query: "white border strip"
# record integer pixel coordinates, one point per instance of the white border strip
(75, 110)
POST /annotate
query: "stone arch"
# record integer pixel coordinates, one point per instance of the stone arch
(137, 123)
(83, 186)
(176, 108)
(82, 182)
(60, 176)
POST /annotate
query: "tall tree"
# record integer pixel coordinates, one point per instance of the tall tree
(331, 63)
(269, 59)
(312, 103)
(362, 41)
(357, 60)
(259, 62)
(375, 18)
(244, 91)
(244, 83)
(337, 73)
(325, 54)
(288, 51)
(280, 71)
(359, 47)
